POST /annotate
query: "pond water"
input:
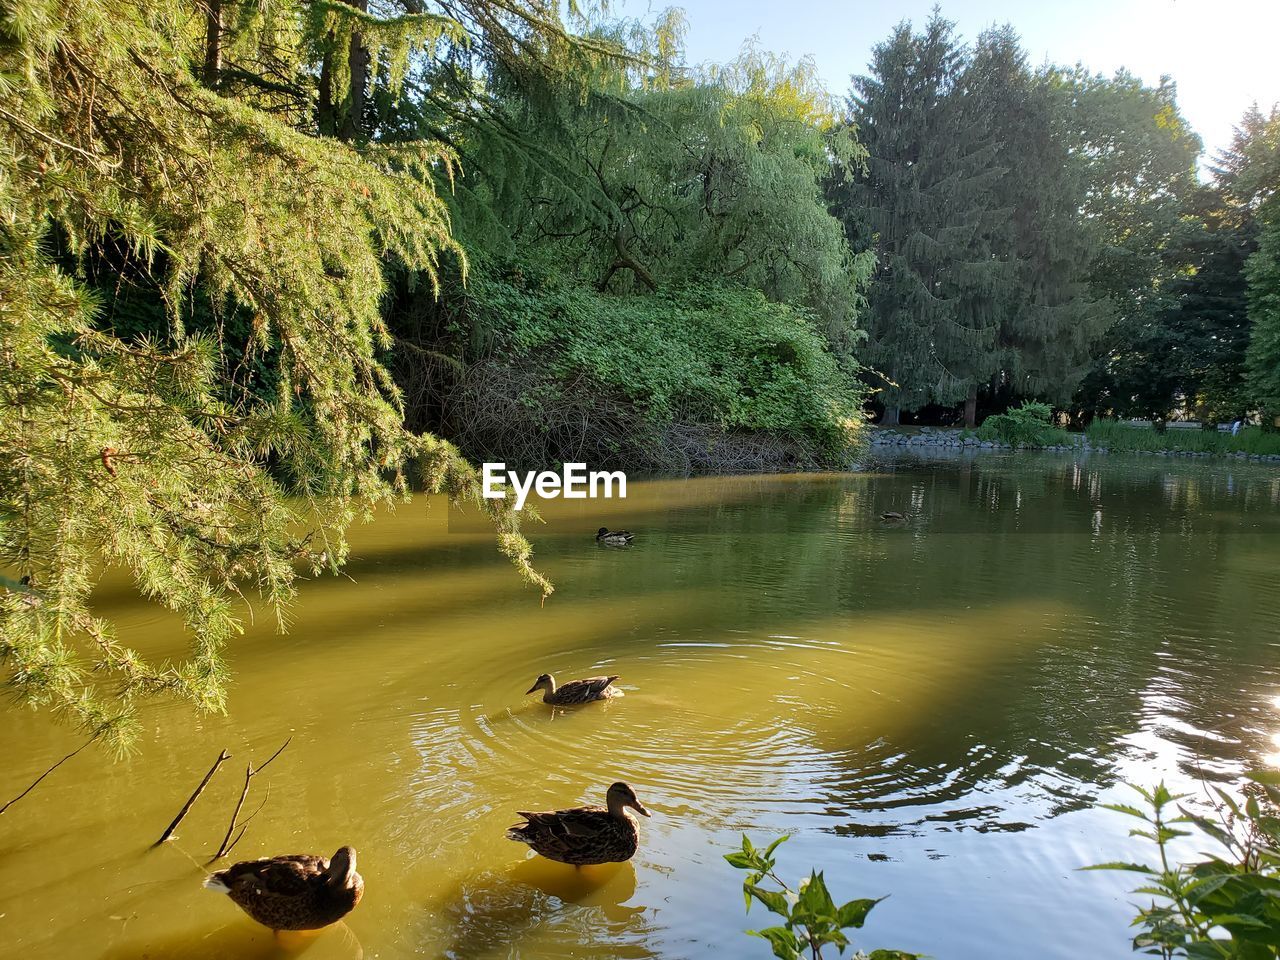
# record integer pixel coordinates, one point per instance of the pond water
(932, 710)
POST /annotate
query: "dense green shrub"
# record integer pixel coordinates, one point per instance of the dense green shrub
(716, 355)
(1030, 424)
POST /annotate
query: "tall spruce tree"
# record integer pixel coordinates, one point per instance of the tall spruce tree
(924, 206)
(1263, 271)
(1250, 171)
(1049, 318)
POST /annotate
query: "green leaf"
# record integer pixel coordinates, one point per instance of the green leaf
(786, 945)
(772, 899)
(1229, 920)
(1125, 809)
(1228, 800)
(774, 846)
(1212, 829)
(816, 899)
(1251, 808)
(854, 913)
(1120, 865)
(1206, 950)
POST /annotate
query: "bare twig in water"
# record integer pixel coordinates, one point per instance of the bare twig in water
(249, 773)
(244, 824)
(223, 757)
(35, 783)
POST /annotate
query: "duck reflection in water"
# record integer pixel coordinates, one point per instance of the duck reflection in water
(547, 909)
(243, 940)
(605, 885)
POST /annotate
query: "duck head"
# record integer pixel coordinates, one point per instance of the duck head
(621, 795)
(602, 532)
(544, 682)
(342, 867)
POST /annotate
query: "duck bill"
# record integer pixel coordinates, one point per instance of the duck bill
(531, 690)
(640, 809)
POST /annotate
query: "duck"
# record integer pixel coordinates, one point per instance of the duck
(296, 892)
(614, 538)
(893, 516)
(575, 691)
(585, 835)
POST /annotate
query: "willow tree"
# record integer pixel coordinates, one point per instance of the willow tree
(731, 186)
(666, 176)
(189, 140)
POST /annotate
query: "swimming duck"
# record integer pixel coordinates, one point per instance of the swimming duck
(293, 892)
(585, 835)
(893, 516)
(614, 538)
(575, 691)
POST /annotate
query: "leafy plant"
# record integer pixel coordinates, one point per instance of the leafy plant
(1222, 906)
(716, 355)
(811, 919)
(1030, 424)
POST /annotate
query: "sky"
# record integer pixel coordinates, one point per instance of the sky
(1223, 54)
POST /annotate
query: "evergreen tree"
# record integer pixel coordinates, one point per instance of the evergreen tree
(238, 434)
(1181, 341)
(1049, 318)
(924, 207)
(1191, 353)
(1250, 170)
(1263, 271)
(1208, 317)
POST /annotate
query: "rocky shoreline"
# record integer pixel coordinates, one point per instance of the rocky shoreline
(954, 440)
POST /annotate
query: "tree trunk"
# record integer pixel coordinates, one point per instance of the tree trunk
(624, 259)
(358, 61)
(326, 115)
(971, 406)
(344, 125)
(212, 42)
(891, 416)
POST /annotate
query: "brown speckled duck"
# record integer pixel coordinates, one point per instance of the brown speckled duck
(575, 691)
(293, 892)
(893, 516)
(614, 538)
(585, 835)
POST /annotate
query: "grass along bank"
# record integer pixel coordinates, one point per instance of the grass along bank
(1102, 437)
(1121, 438)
